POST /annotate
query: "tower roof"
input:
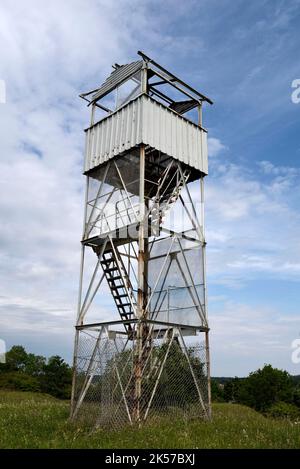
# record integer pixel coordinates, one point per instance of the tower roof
(120, 74)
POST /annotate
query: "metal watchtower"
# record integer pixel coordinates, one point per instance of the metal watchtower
(145, 163)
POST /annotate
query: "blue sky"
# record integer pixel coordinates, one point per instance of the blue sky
(244, 55)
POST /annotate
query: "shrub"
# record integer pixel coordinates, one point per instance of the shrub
(217, 391)
(56, 378)
(15, 380)
(296, 396)
(29, 372)
(265, 387)
(232, 389)
(284, 410)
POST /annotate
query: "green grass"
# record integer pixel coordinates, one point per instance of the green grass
(31, 420)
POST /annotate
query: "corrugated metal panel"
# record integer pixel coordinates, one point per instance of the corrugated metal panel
(118, 76)
(146, 121)
(114, 135)
(174, 135)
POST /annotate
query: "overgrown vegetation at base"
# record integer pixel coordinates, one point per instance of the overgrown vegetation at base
(267, 390)
(36, 420)
(33, 420)
(28, 372)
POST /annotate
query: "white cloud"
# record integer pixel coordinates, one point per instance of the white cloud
(250, 337)
(215, 146)
(253, 225)
(270, 169)
(50, 51)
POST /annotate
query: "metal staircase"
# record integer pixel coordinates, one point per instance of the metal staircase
(111, 261)
(120, 285)
(168, 195)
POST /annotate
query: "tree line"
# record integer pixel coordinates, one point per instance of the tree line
(29, 372)
(268, 390)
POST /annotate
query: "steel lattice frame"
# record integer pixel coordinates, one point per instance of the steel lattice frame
(155, 359)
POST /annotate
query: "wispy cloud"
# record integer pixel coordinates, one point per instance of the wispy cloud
(253, 223)
(250, 337)
(241, 55)
(215, 146)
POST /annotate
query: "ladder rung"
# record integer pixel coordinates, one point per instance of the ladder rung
(127, 315)
(107, 261)
(110, 266)
(112, 269)
(112, 279)
(106, 264)
(120, 296)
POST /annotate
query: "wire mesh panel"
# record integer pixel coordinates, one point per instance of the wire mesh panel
(173, 378)
(176, 280)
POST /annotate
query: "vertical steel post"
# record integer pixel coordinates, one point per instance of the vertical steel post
(207, 356)
(142, 275)
(82, 249)
(76, 340)
(202, 224)
(207, 353)
(93, 114)
(141, 292)
(200, 115)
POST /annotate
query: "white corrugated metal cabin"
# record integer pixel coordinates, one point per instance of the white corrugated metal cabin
(137, 111)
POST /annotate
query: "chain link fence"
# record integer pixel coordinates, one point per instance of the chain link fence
(123, 381)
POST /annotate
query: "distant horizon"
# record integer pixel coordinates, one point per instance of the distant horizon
(212, 376)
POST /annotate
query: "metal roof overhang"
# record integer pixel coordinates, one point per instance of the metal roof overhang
(122, 73)
(118, 76)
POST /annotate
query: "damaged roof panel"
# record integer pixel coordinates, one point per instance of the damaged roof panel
(116, 78)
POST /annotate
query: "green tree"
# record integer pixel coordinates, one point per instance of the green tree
(56, 378)
(296, 395)
(176, 385)
(284, 410)
(217, 391)
(34, 364)
(16, 380)
(232, 390)
(16, 358)
(265, 387)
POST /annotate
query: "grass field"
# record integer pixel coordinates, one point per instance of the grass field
(31, 420)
